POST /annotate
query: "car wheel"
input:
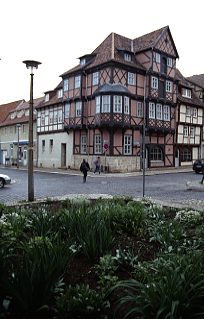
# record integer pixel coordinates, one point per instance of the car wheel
(1, 182)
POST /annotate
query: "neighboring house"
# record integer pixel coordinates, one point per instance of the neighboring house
(14, 132)
(189, 123)
(99, 107)
(198, 83)
(4, 111)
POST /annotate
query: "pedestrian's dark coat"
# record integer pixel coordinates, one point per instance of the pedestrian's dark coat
(84, 168)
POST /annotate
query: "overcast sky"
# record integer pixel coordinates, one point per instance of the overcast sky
(56, 33)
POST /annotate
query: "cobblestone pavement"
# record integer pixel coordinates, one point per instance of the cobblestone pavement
(166, 187)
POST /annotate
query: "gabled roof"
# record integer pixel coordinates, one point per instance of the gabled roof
(150, 40)
(20, 107)
(197, 79)
(6, 108)
(183, 82)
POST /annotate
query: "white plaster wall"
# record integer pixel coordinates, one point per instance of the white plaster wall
(53, 159)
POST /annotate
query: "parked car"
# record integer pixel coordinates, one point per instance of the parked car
(4, 180)
(198, 166)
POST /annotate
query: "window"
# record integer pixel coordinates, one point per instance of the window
(156, 154)
(194, 112)
(59, 93)
(127, 57)
(105, 103)
(185, 155)
(83, 61)
(78, 108)
(55, 116)
(97, 144)
(151, 110)
(77, 81)
(66, 110)
(185, 131)
(42, 119)
(169, 62)
(51, 117)
(169, 86)
(158, 58)
(186, 93)
(131, 78)
(164, 65)
(188, 111)
(98, 104)
(117, 104)
(43, 145)
(83, 144)
(126, 105)
(159, 111)
(166, 113)
(127, 148)
(66, 85)
(95, 78)
(192, 131)
(60, 116)
(51, 145)
(139, 109)
(154, 83)
(47, 97)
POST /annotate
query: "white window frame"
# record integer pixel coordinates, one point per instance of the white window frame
(127, 57)
(126, 105)
(97, 144)
(188, 110)
(83, 61)
(60, 115)
(47, 97)
(55, 116)
(51, 116)
(66, 85)
(151, 110)
(158, 57)
(169, 62)
(154, 83)
(66, 110)
(60, 93)
(117, 104)
(159, 111)
(42, 119)
(127, 144)
(169, 86)
(131, 78)
(166, 113)
(195, 112)
(185, 131)
(77, 81)
(139, 109)
(105, 104)
(186, 93)
(98, 104)
(95, 78)
(83, 144)
(78, 108)
(192, 131)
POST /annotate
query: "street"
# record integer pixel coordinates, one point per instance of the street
(169, 187)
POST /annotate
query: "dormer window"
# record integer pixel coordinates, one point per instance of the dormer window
(13, 115)
(83, 61)
(47, 97)
(60, 93)
(127, 57)
(186, 93)
(66, 85)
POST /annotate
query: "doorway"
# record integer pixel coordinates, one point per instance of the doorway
(63, 154)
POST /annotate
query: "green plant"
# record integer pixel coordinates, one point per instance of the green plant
(174, 290)
(36, 270)
(81, 302)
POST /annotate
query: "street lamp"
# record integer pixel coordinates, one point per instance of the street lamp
(18, 128)
(31, 65)
(144, 137)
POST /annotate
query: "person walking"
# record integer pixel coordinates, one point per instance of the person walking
(202, 173)
(84, 168)
(97, 165)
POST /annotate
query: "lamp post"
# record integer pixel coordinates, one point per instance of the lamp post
(18, 128)
(144, 137)
(30, 64)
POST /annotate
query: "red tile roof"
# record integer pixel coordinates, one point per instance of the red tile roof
(6, 108)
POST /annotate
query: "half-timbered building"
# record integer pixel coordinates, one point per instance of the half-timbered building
(118, 97)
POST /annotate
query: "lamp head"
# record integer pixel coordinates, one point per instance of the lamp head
(31, 64)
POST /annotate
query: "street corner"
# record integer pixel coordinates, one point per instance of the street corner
(197, 186)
